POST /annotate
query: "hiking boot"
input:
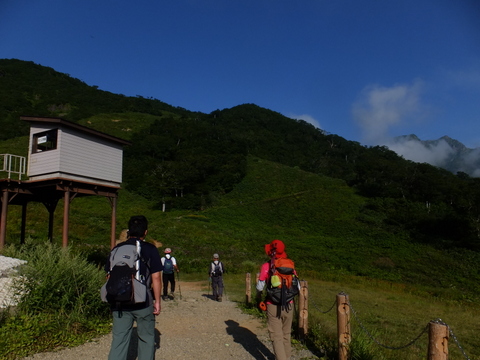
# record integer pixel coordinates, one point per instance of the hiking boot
(219, 299)
(164, 297)
(172, 296)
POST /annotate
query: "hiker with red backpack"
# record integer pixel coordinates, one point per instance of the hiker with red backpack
(279, 278)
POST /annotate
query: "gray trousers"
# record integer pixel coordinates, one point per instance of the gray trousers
(122, 333)
(217, 286)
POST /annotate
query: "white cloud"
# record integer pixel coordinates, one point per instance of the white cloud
(308, 118)
(416, 151)
(472, 161)
(438, 153)
(379, 108)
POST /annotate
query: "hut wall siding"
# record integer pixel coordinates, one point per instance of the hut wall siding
(78, 156)
(46, 162)
(94, 158)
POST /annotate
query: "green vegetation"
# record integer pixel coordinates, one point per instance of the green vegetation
(59, 302)
(387, 317)
(187, 160)
(395, 286)
(396, 235)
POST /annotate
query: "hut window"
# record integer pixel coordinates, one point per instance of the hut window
(44, 141)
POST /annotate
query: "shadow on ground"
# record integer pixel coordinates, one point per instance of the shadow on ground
(209, 296)
(249, 341)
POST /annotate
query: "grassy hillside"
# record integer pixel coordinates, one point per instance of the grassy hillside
(188, 160)
(27, 88)
(15, 146)
(322, 221)
(395, 285)
(123, 125)
(389, 233)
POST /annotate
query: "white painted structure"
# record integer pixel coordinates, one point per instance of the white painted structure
(12, 164)
(59, 149)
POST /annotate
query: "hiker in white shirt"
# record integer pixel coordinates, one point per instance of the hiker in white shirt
(215, 272)
(169, 268)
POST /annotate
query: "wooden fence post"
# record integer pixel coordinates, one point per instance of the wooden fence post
(303, 310)
(437, 341)
(248, 289)
(343, 325)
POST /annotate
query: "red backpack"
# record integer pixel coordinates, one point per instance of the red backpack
(283, 282)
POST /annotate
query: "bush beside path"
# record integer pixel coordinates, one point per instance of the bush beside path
(193, 327)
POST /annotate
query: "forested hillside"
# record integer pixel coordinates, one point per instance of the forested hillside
(27, 88)
(185, 160)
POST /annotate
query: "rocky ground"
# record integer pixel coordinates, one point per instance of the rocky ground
(8, 268)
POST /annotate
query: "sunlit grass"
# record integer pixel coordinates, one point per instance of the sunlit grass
(395, 284)
(387, 312)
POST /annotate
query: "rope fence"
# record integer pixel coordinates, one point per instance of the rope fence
(356, 317)
(439, 333)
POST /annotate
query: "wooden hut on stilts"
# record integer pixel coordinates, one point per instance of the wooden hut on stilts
(65, 160)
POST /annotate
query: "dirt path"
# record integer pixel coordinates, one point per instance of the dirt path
(193, 327)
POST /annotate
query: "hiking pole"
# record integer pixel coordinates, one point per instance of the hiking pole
(179, 288)
(224, 292)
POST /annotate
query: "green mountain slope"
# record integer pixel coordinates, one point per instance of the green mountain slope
(30, 89)
(324, 223)
(321, 220)
(249, 174)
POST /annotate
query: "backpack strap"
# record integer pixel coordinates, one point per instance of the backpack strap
(272, 266)
(137, 263)
(138, 244)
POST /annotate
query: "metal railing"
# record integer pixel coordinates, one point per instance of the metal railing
(12, 164)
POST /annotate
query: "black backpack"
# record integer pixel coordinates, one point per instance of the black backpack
(168, 266)
(125, 285)
(283, 284)
(217, 269)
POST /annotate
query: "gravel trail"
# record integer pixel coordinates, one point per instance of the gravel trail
(193, 327)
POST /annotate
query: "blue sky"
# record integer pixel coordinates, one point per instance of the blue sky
(365, 70)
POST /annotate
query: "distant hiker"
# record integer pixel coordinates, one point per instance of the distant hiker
(278, 276)
(215, 272)
(169, 267)
(143, 272)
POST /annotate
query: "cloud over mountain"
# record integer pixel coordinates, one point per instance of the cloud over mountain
(445, 152)
(378, 109)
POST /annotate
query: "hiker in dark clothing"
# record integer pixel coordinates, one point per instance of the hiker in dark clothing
(215, 272)
(168, 276)
(142, 313)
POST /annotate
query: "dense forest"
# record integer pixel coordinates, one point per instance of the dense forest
(188, 160)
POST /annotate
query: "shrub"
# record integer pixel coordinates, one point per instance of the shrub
(57, 280)
(59, 301)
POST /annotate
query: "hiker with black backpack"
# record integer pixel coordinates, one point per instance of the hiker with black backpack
(216, 272)
(168, 276)
(133, 270)
(279, 278)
